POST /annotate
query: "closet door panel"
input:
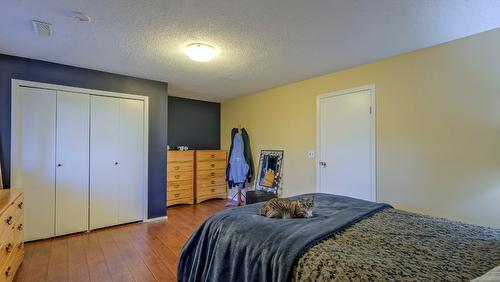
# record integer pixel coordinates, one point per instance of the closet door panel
(104, 148)
(72, 163)
(131, 160)
(37, 149)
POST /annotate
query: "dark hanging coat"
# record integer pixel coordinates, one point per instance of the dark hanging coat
(247, 153)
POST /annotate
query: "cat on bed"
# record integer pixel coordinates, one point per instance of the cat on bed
(286, 208)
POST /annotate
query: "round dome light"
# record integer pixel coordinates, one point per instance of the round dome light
(200, 52)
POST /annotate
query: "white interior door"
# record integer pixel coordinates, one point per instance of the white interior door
(104, 149)
(72, 163)
(346, 144)
(37, 166)
(131, 161)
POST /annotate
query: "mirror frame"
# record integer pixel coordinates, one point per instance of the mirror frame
(276, 189)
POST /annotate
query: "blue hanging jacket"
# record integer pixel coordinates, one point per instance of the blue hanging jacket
(238, 167)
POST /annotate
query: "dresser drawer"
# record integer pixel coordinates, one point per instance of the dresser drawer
(179, 185)
(211, 165)
(180, 194)
(7, 245)
(9, 217)
(181, 175)
(213, 190)
(180, 156)
(213, 181)
(210, 155)
(12, 264)
(206, 174)
(180, 166)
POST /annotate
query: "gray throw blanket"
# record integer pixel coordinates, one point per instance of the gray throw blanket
(240, 245)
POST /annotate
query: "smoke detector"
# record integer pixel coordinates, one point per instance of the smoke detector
(42, 28)
(81, 16)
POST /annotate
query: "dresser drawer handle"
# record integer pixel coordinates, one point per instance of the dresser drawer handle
(176, 185)
(212, 165)
(212, 156)
(8, 248)
(20, 246)
(213, 190)
(212, 174)
(177, 195)
(177, 167)
(20, 205)
(7, 272)
(9, 220)
(212, 182)
(177, 176)
(20, 227)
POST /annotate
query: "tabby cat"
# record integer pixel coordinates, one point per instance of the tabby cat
(286, 208)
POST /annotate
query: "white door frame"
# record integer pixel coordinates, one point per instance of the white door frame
(371, 88)
(16, 85)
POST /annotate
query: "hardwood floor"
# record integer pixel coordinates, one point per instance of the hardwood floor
(132, 252)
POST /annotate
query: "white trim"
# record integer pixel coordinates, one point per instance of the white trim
(373, 134)
(155, 219)
(16, 84)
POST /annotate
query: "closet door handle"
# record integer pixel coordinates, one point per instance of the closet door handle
(116, 163)
(59, 165)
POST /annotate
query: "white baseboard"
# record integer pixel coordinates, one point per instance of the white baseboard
(156, 219)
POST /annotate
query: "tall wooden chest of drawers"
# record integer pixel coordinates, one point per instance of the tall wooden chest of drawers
(210, 175)
(11, 232)
(180, 177)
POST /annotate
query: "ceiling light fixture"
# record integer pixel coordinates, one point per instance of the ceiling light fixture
(200, 52)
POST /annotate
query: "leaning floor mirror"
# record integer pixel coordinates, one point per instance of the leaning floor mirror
(269, 173)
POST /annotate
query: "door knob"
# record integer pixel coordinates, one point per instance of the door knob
(59, 165)
(323, 164)
(116, 163)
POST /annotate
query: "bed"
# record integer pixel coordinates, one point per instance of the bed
(346, 239)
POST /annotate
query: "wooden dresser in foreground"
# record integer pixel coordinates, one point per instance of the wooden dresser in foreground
(11, 232)
(180, 177)
(210, 175)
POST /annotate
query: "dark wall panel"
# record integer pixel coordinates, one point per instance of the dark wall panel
(40, 71)
(193, 123)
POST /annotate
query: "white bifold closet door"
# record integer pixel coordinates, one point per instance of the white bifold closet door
(116, 161)
(54, 164)
(72, 163)
(36, 171)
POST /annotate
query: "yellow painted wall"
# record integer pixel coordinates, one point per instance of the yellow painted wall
(438, 127)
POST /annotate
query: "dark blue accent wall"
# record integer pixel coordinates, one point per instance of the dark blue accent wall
(40, 71)
(193, 123)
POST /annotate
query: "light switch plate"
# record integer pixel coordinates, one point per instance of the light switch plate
(310, 154)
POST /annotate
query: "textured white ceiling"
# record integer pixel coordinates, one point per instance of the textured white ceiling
(261, 43)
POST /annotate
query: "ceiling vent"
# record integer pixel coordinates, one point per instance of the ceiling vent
(42, 28)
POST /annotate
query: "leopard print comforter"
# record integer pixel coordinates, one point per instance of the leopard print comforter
(395, 245)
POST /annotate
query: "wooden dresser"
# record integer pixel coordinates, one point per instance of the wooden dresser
(210, 175)
(180, 177)
(11, 232)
